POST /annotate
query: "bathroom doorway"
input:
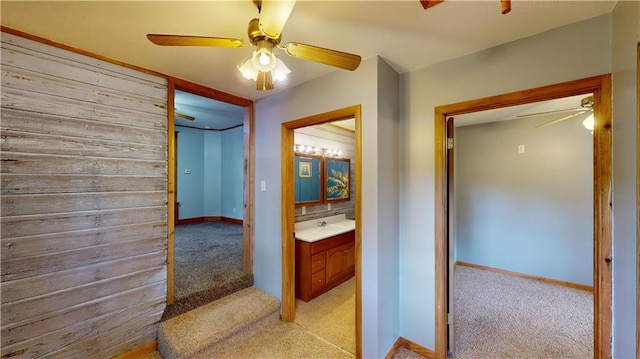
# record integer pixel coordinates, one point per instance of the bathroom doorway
(352, 114)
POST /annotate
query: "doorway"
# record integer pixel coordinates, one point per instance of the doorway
(247, 169)
(522, 231)
(600, 86)
(288, 212)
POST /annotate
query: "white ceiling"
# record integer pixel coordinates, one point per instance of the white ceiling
(401, 32)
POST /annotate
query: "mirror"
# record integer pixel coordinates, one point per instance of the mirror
(338, 181)
(307, 178)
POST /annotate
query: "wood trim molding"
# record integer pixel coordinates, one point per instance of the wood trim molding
(527, 276)
(288, 212)
(408, 344)
(600, 86)
(139, 351)
(172, 216)
(210, 219)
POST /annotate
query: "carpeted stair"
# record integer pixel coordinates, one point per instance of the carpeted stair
(210, 330)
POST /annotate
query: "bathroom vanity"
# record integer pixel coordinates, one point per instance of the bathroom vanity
(325, 257)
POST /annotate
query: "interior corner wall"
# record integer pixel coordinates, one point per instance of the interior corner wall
(335, 90)
(552, 57)
(626, 35)
(232, 173)
(213, 173)
(389, 196)
(190, 172)
(528, 212)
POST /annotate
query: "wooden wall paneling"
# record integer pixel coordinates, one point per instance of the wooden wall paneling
(77, 183)
(65, 327)
(39, 285)
(52, 243)
(26, 267)
(84, 202)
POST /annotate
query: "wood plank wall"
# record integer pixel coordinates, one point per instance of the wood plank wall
(84, 203)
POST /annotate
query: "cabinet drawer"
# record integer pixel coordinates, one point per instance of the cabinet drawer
(317, 281)
(318, 261)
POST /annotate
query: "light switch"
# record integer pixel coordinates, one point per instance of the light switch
(263, 185)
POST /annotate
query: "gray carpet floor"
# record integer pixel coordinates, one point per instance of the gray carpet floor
(501, 316)
(207, 265)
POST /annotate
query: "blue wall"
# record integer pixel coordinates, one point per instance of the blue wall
(532, 212)
(190, 158)
(214, 186)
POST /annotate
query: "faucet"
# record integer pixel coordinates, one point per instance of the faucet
(322, 223)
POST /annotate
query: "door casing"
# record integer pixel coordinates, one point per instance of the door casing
(600, 86)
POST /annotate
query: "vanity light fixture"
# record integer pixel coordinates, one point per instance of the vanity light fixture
(317, 151)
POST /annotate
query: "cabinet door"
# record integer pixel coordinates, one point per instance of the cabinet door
(350, 258)
(336, 262)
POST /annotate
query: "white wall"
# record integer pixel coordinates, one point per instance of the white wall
(626, 34)
(528, 212)
(336, 90)
(552, 57)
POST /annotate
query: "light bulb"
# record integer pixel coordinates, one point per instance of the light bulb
(264, 59)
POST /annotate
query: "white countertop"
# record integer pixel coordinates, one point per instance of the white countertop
(309, 231)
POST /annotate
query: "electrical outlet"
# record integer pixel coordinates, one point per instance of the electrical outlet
(520, 148)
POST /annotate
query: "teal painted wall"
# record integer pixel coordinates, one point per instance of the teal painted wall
(190, 185)
(214, 186)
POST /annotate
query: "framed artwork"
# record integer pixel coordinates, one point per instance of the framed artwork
(307, 180)
(304, 169)
(338, 179)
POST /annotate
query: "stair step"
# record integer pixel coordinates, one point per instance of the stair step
(218, 326)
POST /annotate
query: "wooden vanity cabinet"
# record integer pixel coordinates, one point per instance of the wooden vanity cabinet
(324, 264)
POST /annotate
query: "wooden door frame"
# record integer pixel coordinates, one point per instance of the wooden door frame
(248, 169)
(288, 212)
(600, 86)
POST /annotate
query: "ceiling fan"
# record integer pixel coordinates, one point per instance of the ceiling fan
(586, 106)
(265, 34)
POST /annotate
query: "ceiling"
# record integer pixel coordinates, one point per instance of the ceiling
(401, 32)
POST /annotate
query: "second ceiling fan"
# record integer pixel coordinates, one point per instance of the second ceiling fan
(265, 33)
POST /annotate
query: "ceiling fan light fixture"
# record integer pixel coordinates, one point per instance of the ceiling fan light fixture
(280, 71)
(589, 123)
(248, 71)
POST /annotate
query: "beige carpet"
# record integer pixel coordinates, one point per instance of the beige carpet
(501, 316)
(331, 316)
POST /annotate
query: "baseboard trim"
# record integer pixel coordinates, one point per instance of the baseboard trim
(528, 276)
(408, 344)
(209, 219)
(232, 220)
(139, 351)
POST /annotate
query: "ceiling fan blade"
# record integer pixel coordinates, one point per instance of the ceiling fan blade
(550, 112)
(561, 119)
(179, 40)
(335, 58)
(427, 3)
(186, 117)
(273, 16)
